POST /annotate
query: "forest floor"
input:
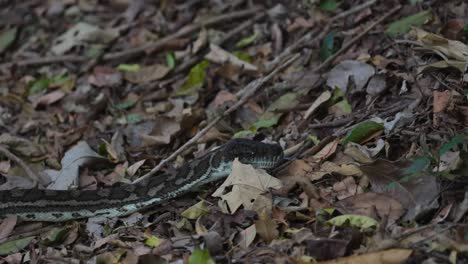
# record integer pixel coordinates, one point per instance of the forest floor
(369, 100)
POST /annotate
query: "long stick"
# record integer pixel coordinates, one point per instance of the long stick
(253, 87)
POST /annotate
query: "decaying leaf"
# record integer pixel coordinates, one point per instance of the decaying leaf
(78, 156)
(404, 25)
(248, 184)
(147, 74)
(361, 221)
(79, 34)
(14, 246)
(370, 204)
(247, 236)
(195, 211)
(266, 227)
(394, 256)
(218, 55)
(345, 188)
(363, 132)
(416, 195)
(339, 76)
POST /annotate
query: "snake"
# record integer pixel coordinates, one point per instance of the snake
(116, 201)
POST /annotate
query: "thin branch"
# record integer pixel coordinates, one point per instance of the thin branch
(44, 60)
(232, 33)
(356, 39)
(306, 38)
(251, 88)
(30, 173)
(181, 33)
(354, 10)
(138, 50)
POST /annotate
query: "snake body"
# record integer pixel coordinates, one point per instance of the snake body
(58, 205)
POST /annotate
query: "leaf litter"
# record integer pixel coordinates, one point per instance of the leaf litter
(370, 98)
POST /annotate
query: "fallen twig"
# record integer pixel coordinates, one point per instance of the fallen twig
(304, 150)
(306, 38)
(251, 89)
(30, 173)
(180, 33)
(232, 33)
(355, 39)
(44, 60)
(138, 50)
(354, 10)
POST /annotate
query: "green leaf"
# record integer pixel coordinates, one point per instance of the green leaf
(94, 51)
(55, 236)
(200, 257)
(362, 131)
(265, 120)
(246, 41)
(195, 80)
(344, 106)
(126, 105)
(328, 44)
(37, 86)
(170, 60)
(7, 37)
(271, 116)
(337, 95)
(60, 79)
(418, 165)
(152, 240)
(328, 5)
(284, 102)
(413, 2)
(452, 143)
(195, 211)
(243, 56)
(133, 118)
(404, 25)
(243, 134)
(43, 83)
(128, 67)
(14, 246)
(361, 221)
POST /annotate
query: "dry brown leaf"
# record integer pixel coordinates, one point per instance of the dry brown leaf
(322, 98)
(298, 168)
(163, 131)
(326, 168)
(345, 188)
(327, 151)
(134, 167)
(105, 77)
(370, 203)
(7, 226)
(247, 236)
(417, 195)
(49, 98)
(441, 100)
(266, 227)
(5, 166)
(147, 74)
(451, 48)
(247, 184)
(391, 256)
(300, 22)
(201, 41)
(218, 55)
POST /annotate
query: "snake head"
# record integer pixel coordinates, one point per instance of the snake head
(258, 154)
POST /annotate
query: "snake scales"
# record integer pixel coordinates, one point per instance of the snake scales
(55, 205)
